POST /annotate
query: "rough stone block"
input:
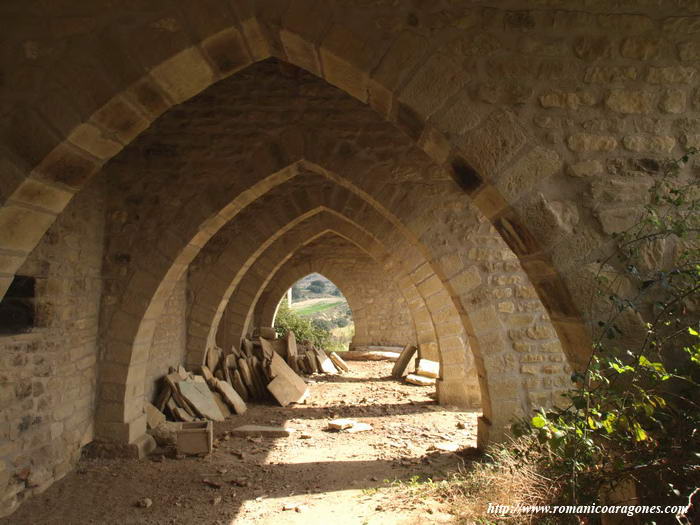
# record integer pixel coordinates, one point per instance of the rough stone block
(41, 195)
(631, 101)
(196, 438)
(122, 120)
(647, 144)
(227, 51)
(432, 85)
(21, 228)
(407, 50)
(585, 142)
(346, 60)
(671, 75)
(91, 138)
(184, 75)
(68, 165)
(530, 171)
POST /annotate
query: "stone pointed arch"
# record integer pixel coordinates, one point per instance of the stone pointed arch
(248, 292)
(319, 214)
(396, 74)
(476, 162)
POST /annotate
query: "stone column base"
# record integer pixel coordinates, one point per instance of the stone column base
(453, 393)
(139, 449)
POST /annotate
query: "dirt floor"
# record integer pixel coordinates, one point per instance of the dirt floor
(319, 476)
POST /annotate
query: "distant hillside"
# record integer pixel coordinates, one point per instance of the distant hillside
(314, 286)
(318, 299)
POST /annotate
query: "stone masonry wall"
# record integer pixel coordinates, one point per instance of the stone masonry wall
(48, 376)
(170, 339)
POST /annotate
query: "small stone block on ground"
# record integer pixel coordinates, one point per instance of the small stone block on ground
(264, 431)
(285, 391)
(428, 368)
(341, 424)
(401, 365)
(420, 380)
(338, 362)
(195, 438)
(348, 425)
(326, 364)
(358, 427)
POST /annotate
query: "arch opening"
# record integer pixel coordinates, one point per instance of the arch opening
(317, 299)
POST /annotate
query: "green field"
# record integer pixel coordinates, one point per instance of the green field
(317, 307)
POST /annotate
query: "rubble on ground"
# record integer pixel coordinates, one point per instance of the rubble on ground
(348, 425)
(266, 368)
(426, 372)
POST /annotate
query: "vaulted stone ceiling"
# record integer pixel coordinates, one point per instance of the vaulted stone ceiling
(166, 168)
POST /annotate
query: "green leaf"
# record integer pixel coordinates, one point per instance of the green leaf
(639, 433)
(538, 421)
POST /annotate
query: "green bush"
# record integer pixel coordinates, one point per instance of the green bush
(633, 415)
(322, 324)
(341, 322)
(303, 328)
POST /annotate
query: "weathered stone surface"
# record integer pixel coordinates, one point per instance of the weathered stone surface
(647, 144)
(671, 75)
(681, 25)
(673, 101)
(165, 434)
(230, 396)
(201, 399)
(689, 51)
(691, 141)
(608, 74)
(640, 48)
(618, 219)
(628, 101)
(586, 168)
(585, 142)
(427, 368)
(401, 365)
(327, 366)
(154, 417)
(196, 438)
(558, 99)
(184, 75)
(419, 380)
(528, 172)
(268, 332)
(370, 355)
(592, 48)
(433, 84)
